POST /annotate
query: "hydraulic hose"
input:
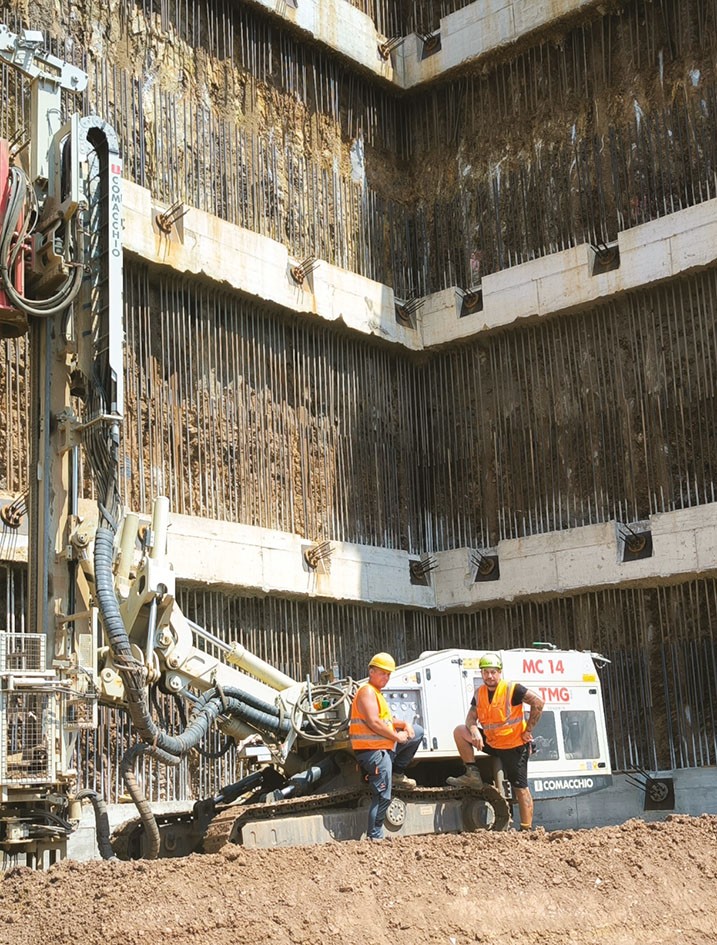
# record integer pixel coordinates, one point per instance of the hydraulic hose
(102, 823)
(231, 792)
(206, 711)
(106, 598)
(208, 753)
(192, 735)
(144, 809)
(267, 708)
(261, 715)
(166, 748)
(258, 714)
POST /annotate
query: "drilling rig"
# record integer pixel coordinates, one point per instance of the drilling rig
(104, 626)
(60, 281)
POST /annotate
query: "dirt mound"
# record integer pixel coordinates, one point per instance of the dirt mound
(648, 883)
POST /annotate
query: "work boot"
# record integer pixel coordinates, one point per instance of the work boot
(471, 779)
(401, 781)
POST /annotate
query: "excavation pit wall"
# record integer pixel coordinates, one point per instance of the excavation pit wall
(196, 125)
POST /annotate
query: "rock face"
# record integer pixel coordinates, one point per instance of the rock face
(638, 882)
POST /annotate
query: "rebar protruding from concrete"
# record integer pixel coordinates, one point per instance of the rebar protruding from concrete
(421, 568)
(13, 513)
(171, 216)
(483, 563)
(385, 49)
(406, 311)
(431, 42)
(634, 541)
(318, 553)
(302, 269)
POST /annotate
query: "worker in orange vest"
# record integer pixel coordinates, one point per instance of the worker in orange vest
(496, 724)
(383, 745)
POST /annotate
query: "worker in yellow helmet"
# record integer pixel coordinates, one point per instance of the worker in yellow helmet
(383, 745)
(497, 725)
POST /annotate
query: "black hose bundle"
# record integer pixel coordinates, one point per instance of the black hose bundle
(157, 742)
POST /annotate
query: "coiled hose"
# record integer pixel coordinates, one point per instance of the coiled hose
(9, 250)
(316, 713)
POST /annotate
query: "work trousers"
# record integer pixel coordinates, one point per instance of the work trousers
(378, 766)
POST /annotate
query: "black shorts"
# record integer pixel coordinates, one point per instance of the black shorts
(515, 763)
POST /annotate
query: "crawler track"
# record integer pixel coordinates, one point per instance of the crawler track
(184, 833)
(227, 825)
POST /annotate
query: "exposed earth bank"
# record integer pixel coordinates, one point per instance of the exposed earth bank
(638, 883)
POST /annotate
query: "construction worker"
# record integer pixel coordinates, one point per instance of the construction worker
(497, 710)
(383, 745)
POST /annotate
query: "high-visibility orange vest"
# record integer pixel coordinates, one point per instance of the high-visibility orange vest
(362, 737)
(502, 723)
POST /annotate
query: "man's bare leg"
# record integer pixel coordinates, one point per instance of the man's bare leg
(525, 807)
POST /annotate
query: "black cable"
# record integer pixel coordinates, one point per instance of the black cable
(102, 824)
(163, 721)
(180, 710)
(53, 819)
(213, 754)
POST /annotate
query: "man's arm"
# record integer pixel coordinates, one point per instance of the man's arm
(536, 710)
(368, 704)
(473, 730)
(402, 726)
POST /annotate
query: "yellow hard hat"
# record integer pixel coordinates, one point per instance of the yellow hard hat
(383, 661)
(490, 661)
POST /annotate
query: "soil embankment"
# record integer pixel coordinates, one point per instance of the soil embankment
(646, 883)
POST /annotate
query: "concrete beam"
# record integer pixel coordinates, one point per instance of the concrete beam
(260, 561)
(467, 37)
(558, 284)
(340, 27)
(565, 282)
(259, 268)
(583, 559)
(477, 32)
